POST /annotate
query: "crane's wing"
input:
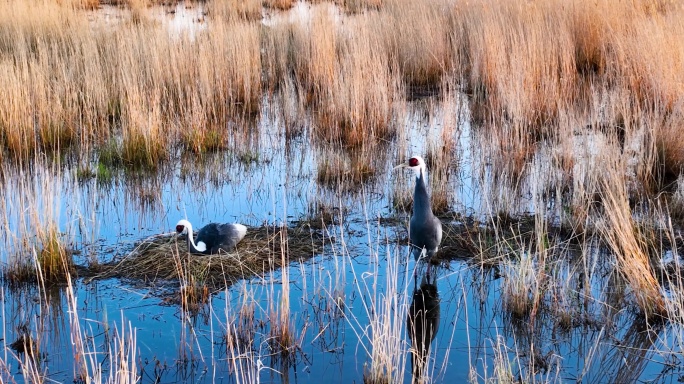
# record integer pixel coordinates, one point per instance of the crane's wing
(230, 235)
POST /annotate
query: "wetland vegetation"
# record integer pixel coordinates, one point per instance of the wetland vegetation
(552, 135)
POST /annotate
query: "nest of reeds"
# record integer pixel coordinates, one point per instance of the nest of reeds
(165, 257)
(459, 242)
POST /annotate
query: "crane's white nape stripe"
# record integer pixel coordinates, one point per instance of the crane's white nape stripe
(201, 246)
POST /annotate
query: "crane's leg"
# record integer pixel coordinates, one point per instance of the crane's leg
(417, 255)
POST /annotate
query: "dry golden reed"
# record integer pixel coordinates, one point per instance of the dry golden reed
(278, 4)
(416, 34)
(622, 234)
(69, 83)
(234, 9)
(523, 67)
(35, 244)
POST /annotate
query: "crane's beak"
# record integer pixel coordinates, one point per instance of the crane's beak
(402, 165)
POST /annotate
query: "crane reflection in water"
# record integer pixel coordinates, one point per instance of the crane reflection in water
(422, 324)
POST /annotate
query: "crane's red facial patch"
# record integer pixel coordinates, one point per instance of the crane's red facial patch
(413, 162)
(180, 228)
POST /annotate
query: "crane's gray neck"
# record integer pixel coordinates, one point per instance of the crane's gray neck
(421, 198)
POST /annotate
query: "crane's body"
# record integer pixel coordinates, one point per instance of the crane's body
(213, 237)
(425, 229)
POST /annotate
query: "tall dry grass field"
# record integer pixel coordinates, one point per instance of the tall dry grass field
(339, 70)
(522, 68)
(46, 88)
(416, 36)
(69, 82)
(538, 62)
(313, 54)
(362, 100)
(235, 9)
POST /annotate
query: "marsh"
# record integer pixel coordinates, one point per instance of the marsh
(554, 154)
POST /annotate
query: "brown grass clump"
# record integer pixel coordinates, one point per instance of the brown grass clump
(521, 285)
(278, 4)
(35, 245)
(310, 53)
(591, 32)
(459, 242)
(242, 334)
(440, 162)
(275, 42)
(282, 332)
(361, 107)
(165, 258)
(321, 72)
(523, 68)
(19, 140)
(339, 70)
(372, 377)
(416, 33)
(230, 86)
(26, 344)
(193, 295)
(631, 251)
(675, 202)
(358, 6)
(138, 10)
(638, 61)
(54, 260)
(249, 10)
(142, 150)
(669, 147)
(346, 171)
(205, 140)
(20, 272)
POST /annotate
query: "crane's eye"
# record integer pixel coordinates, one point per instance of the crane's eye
(180, 228)
(413, 162)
